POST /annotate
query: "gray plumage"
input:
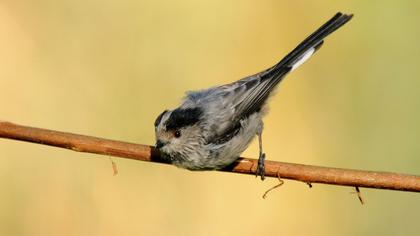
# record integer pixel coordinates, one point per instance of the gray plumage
(212, 127)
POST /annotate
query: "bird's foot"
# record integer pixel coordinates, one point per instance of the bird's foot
(261, 167)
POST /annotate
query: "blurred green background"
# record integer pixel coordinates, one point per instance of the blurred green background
(108, 68)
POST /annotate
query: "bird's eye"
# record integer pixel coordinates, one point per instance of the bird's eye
(177, 134)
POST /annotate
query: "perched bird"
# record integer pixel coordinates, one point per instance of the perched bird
(212, 127)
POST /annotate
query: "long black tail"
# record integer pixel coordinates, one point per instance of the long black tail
(260, 85)
(306, 48)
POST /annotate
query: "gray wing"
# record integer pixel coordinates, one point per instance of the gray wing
(226, 105)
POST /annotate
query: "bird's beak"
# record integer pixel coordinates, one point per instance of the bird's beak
(159, 144)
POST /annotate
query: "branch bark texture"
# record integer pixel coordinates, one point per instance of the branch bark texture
(299, 172)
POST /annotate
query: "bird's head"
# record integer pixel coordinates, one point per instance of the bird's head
(178, 132)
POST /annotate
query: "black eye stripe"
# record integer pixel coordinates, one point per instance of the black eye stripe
(159, 118)
(183, 117)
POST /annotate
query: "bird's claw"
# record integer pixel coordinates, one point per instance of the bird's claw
(261, 167)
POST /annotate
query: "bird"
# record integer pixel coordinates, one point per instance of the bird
(213, 126)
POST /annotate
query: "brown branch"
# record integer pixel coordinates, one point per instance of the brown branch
(305, 173)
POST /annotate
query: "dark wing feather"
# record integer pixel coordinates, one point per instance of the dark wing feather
(252, 92)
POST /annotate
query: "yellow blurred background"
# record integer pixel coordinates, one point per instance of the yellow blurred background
(108, 68)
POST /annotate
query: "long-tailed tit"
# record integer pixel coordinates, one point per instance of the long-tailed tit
(212, 127)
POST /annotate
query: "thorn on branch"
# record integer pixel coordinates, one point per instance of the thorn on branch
(359, 195)
(309, 184)
(114, 167)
